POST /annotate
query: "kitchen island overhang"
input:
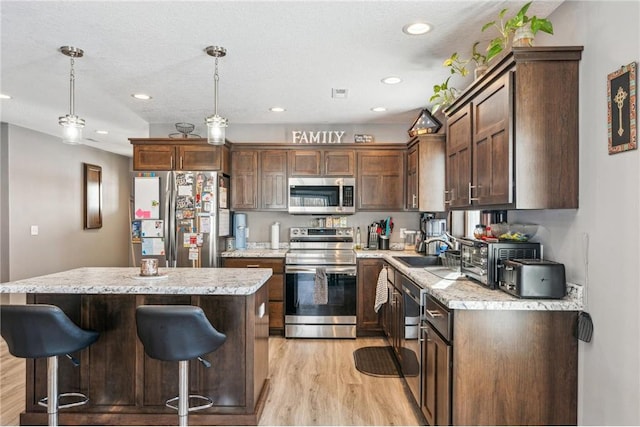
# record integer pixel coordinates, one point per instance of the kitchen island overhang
(126, 387)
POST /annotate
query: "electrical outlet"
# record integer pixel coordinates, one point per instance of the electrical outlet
(34, 230)
(402, 230)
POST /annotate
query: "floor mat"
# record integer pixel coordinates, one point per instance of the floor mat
(376, 361)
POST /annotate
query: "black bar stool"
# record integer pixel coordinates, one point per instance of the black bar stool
(34, 331)
(178, 333)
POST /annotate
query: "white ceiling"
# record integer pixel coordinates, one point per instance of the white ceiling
(279, 53)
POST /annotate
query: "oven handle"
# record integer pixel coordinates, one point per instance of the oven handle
(350, 271)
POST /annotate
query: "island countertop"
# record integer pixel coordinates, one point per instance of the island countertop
(127, 280)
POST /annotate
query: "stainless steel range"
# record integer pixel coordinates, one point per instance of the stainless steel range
(320, 285)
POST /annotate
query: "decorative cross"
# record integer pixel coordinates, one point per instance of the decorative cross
(621, 95)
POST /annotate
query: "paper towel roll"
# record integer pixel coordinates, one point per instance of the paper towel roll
(275, 235)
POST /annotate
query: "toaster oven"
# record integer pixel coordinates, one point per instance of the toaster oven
(482, 261)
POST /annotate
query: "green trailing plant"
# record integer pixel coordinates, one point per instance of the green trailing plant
(477, 57)
(456, 64)
(443, 95)
(506, 28)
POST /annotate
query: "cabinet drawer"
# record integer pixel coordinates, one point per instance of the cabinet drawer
(276, 264)
(276, 314)
(439, 317)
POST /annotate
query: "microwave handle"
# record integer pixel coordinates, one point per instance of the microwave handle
(341, 196)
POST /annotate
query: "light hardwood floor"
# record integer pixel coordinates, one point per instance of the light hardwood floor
(313, 382)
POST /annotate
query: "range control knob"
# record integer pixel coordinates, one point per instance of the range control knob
(295, 231)
(303, 231)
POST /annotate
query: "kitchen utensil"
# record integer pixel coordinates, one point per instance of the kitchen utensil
(584, 327)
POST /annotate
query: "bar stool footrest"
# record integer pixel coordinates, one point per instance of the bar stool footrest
(83, 400)
(208, 404)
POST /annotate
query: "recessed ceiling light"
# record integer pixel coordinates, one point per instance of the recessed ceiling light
(3, 96)
(378, 109)
(102, 132)
(391, 80)
(277, 109)
(417, 28)
(142, 96)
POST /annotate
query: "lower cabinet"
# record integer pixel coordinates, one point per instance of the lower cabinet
(275, 283)
(393, 320)
(368, 321)
(436, 377)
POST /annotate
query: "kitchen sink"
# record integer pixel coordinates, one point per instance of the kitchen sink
(419, 261)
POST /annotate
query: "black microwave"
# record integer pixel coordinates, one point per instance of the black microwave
(322, 195)
(483, 261)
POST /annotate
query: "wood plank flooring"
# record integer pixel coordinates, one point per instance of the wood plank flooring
(313, 382)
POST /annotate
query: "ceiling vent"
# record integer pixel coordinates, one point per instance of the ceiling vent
(339, 93)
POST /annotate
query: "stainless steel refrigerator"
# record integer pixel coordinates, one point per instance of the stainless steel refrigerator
(179, 217)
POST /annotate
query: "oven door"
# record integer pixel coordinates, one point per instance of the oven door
(320, 301)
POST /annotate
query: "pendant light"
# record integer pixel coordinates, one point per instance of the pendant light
(71, 124)
(215, 124)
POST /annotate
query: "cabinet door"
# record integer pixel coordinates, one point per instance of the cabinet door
(244, 180)
(339, 163)
(412, 178)
(273, 179)
(199, 157)
(153, 157)
(304, 162)
(458, 167)
(492, 154)
(275, 284)
(380, 180)
(436, 378)
(367, 319)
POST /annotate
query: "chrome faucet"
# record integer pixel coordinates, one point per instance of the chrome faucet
(439, 239)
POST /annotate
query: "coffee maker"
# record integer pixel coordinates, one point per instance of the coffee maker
(430, 227)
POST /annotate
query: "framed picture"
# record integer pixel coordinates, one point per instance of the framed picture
(622, 106)
(92, 196)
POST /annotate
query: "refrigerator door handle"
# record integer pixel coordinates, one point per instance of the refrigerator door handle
(170, 204)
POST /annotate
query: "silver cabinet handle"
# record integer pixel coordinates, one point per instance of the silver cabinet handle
(472, 198)
(181, 163)
(446, 202)
(253, 265)
(433, 313)
(413, 203)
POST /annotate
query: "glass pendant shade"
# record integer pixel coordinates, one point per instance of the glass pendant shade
(71, 124)
(215, 124)
(71, 129)
(216, 129)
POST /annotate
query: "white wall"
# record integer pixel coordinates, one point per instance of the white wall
(45, 189)
(609, 366)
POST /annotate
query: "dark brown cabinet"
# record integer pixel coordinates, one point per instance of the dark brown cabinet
(393, 316)
(244, 179)
(275, 284)
(126, 387)
(273, 180)
(380, 180)
(368, 321)
(512, 136)
(321, 163)
(436, 399)
(259, 179)
(425, 173)
(162, 154)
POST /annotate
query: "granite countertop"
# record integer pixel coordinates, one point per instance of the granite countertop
(127, 280)
(255, 253)
(457, 292)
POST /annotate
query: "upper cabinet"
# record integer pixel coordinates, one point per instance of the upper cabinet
(380, 180)
(259, 179)
(425, 173)
(162, 154)
(321, 163)
(512, 136)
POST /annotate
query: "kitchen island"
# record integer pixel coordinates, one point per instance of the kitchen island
(126, 387)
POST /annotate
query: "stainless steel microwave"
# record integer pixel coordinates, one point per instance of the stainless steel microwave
(322, 195)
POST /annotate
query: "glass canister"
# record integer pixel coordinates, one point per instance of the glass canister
(409, 240)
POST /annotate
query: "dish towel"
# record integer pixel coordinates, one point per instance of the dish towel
(381, 289)
(320, 287)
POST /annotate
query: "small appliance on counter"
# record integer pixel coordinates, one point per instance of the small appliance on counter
(533, 278)
(482, 260)
(240, 230)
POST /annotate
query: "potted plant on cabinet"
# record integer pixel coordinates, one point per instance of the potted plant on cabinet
(481, 61)
(443, 95)
(522, 27)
